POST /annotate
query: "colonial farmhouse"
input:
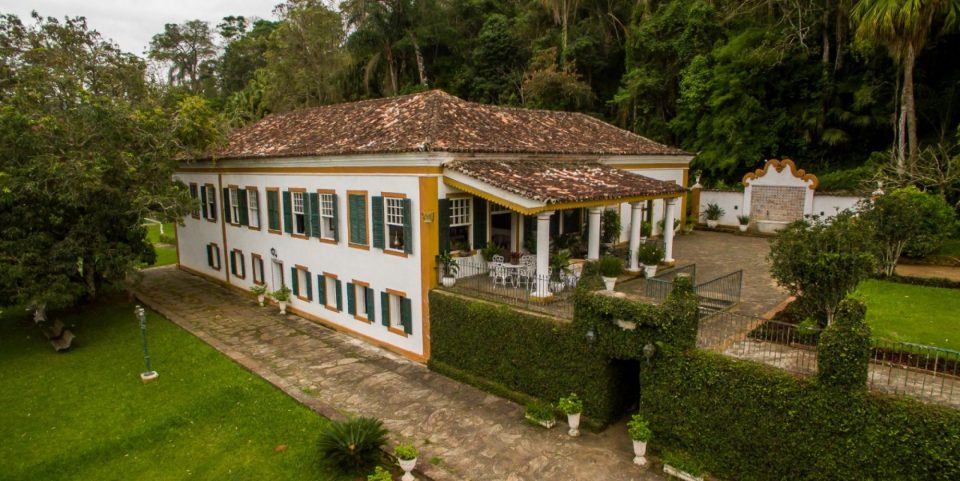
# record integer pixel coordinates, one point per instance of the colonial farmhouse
(349, 205)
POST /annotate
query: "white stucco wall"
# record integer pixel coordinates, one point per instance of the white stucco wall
(382, 271)
(730, 202)
(827, 205)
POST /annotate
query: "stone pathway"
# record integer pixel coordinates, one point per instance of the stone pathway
(468, 433)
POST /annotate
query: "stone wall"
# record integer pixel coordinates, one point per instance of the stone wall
(777, 203)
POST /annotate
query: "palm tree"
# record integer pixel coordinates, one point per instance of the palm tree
(903, 27)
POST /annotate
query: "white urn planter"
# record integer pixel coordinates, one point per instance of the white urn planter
(574, 421)
(649, 270)
(743, 228)
(609, 282)
(260, 298)
(407, 466)
(712, 223)
(283, 306)
(639, 453)
(448, 281)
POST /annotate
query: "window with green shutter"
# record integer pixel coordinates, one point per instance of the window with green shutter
(211, 198)
(357, 218)
(294, 281)
(213, 256)
(385, 308)
(339, 295)
(351, 301)
(287, 212)
(242, 207)
(322, 289)
(227, 204)
(368, 297)
(195, 195)
(273, 210)
(302, 282)
(313, 212)
(376, 214)
(203, 201)
(406, 315)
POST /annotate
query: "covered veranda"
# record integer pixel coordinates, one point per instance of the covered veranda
(541, 189)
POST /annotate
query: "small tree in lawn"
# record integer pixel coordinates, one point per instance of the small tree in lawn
(821, 262)
(908, 220)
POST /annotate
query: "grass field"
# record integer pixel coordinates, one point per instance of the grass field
(908, 313)
(84, 414)
(165, 255)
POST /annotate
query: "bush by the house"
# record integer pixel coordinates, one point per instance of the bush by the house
(844, 348)
(571, 404)
(352, 446)
(908, 221)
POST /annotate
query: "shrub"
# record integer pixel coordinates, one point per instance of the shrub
(559, 264)
(822, 262)
(380, 474)
(571, 404)
(646, 228)
(713, 211)
(908, 221)
(650, 254)
(685, 462)
(167, 239)
(406, 451)
(610, 266)
(491, 250)
(638, 428)
(258, 289)
(610, 230)
(844, 348)
(540, 411)
(352, 446)
(743, 219)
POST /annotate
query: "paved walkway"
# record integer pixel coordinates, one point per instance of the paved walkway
(929, 271)
(472, 434)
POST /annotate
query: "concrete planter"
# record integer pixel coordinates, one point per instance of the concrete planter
(639, 453)
(574, 421)
(609, 282)
(448, 281)
(649, 270)
(743, 227)
(407, 465)
(712, 223)
(283, 306)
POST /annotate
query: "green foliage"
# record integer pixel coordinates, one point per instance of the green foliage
(650, 254)
(538, 411)
(638, 428)
(609, 266)
(646, 228)
(685, 462)
(448, 263)
(184, 48)
(791, 429)
(258, 289)
(380, 474)
(491, 250)
(713, 212)
(856, 179)
(406, 451)
(844, 348)
(822, 262)
(282, 294)
(610, 226)
(549, 85)
(570, 404)
(352, 446)
(908, 220)
(743, 219)
(919, 313)
(559, 264)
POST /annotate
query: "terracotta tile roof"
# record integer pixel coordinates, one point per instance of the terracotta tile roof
(563, 181)
(432, 121)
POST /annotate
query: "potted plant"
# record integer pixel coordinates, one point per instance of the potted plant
(662, 224)
(541, 414)
(489, 251)
(610, 267)
(650, 256)
(610, 230)
(713, 213)
(572, 406)
(450, 268)
(260, 291)
(744, 221)
(646, 228)
(682, 465)
(407, 458)
(281, 295)
(639, 431)
(559, 267)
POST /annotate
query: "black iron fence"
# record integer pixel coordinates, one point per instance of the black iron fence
(714, 295)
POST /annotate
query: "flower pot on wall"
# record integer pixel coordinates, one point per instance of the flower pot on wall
(609, 282)
(448, 281)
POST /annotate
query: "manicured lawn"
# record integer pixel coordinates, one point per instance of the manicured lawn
(919, 314)
(84, 415)
(153, 232)
(165, 255)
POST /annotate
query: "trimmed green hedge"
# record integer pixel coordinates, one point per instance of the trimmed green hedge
(747, 421)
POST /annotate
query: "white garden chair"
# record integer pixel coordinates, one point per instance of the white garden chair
(500, 273)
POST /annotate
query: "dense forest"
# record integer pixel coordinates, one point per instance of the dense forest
(845, 87)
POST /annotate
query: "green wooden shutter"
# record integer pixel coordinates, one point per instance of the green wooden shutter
(370, 305)
(313, 210)
(216, 252)
(406, 315)
(336, 218)
(273, 210)
(479, 223)
(212, 197)
(244, 216)
(243, 267)
(351, 301)
(407, 226)
(385, 309)
(309, 279)
(376, 206)
(209, 255)
(226, 204)
(339, 295)
(294, 281)
(443, 221)
(287, 212)
(203, 200)
(233, 263)
(358, 219)
(321, 289)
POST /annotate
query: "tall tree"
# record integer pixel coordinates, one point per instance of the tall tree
(562, 10)
(904, 27)
(86, 153)
(184, 47)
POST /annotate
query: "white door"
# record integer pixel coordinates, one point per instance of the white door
(277, 275)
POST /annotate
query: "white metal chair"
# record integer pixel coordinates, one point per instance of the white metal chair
(528, 272)
(500, 273)
(496, 259)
